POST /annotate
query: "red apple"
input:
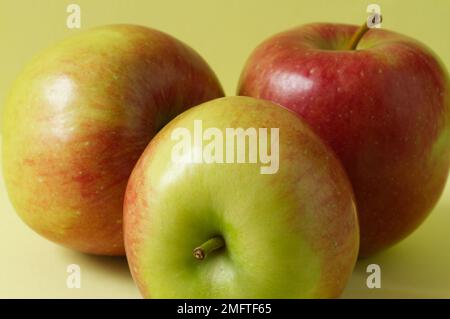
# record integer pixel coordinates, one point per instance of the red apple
(79, 117)
(382, 106)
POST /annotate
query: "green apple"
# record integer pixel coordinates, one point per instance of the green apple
(213, 225)
(79, 117)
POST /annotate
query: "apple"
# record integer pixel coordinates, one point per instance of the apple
(79, 117)
(215, 225)
(381, 100)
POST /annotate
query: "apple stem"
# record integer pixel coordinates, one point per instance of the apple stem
(353, 43)
(204, 249)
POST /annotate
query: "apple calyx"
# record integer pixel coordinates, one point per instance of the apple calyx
(353, 43)
(210, 245)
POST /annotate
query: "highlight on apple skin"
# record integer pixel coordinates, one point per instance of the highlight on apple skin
(225, 230)
(384, 108)
(79, 117)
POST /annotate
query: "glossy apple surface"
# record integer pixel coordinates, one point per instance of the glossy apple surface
(290, 234)
(383, 108)
(79, 117)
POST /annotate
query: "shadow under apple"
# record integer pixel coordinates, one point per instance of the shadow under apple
(100, 275)
(414, 268)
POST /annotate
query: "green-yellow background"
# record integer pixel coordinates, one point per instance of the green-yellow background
(224, 32)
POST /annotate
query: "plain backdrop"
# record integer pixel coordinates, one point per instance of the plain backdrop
(224, 32)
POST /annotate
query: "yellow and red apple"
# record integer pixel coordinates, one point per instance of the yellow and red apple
(79, 117)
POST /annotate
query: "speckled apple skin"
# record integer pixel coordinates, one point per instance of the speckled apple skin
(78, 118)
(383, 108)
(291, 234)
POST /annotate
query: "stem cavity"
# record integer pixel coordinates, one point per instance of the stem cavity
(210, 245)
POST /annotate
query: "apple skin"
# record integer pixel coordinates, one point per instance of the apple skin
(383, 108)
(79, 117)
(292, 234)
